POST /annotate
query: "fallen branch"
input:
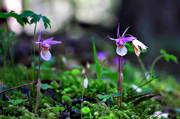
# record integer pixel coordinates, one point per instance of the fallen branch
(33, 82)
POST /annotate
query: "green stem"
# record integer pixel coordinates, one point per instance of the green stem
(34, 37)
(142, 66)
(82, 100)
(154, 63)
(10, 52)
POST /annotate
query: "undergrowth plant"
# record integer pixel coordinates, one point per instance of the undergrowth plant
(121, 51)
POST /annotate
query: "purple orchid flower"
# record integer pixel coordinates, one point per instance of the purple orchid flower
(122, 40)
(102, 55)
(45, 46)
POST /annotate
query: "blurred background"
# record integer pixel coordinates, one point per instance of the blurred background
(75, 22)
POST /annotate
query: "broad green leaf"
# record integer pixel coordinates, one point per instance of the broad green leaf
(98, 67)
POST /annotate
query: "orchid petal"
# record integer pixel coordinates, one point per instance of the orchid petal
(136, 49)
(129, 39)
(39, 37)
(120, 41)
(110, 38)
(38, 42)
(118, 32)
(46, 55)
(121, 51)
(139, 44)
(50, 41)
(54, 42)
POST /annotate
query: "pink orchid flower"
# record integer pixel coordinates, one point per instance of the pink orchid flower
(45, 46)
(122, 40)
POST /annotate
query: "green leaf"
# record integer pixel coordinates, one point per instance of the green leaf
(16, 102)
(116, 94)
(3, 15)
(27, 13)
(98, 67)
(66, 98)
(76, 71)
(129, 47)
(45, 86)
(56, 109)
(54, 84)
(2, 30)
(17, 17)
(35, 18)
(46, 22)
(168, 57)
(163, 52)
(100, 96)
(62, 109)
(85, 110)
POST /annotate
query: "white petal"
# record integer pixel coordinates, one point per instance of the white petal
(122, 51)
(85, 83)
(137, 43)
(46, 55)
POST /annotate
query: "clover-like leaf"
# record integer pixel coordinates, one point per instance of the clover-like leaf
(168, 57)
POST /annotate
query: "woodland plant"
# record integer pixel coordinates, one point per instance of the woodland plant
(45, 54)
(121, 50)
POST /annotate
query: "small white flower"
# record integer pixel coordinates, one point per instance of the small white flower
(46, 55)
(136, 88)
(137, 45)
(159, 114)
(121, 51)
(147, 75)
(85, 83)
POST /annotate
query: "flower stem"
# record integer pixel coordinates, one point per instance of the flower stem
(82, 100)
(154, 62)
(34, 50)
(120, 79)
(9, 47)
(142, 66)
(38, 85)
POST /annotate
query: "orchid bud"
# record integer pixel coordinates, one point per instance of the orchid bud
(85, 83)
